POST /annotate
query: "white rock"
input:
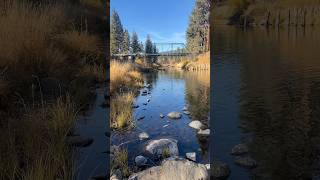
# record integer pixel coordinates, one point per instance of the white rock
(156, 147)
(191, 156)
(195, 124)
(143, 135)
(165, 126)
(173, 169)
(207, 166)
(186, 112)
(205, 132)
(174, 115)
(184, 108)
(140, 161)
(161, 116)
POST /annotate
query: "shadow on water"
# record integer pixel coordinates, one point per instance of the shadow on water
(267, 86)
(169, 91)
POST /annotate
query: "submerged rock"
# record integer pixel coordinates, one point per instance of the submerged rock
(174, 115)
(186, 112)
(140, 118)
(161, 116)
(148, 100)
(246, 161)
(157, 147)
(135, 106)
(195, 124)
(173, 169)
(145, 104)
(205, 132)
(140, 161)
(79, 141)
(143, 135)
(165, 126)
(191, 156)
(219, 170)
(239, 149)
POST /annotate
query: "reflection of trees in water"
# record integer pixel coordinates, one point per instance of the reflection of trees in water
(151, 78)
(197, 98)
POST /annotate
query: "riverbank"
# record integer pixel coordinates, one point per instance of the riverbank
(267, 13)
(51, 58)
(162, 116)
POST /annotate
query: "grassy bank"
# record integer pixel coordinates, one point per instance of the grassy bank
(268, 13)
(124, 83)
(198, 63)
(51, 57)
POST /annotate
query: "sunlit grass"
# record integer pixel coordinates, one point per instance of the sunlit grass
(121, 110)
(120, 161)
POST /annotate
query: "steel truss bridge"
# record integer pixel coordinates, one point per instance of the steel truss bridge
(163, 49)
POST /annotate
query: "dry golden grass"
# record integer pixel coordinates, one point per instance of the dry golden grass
(121, 162)
(121, 111)
(201, 62)
(123, 75)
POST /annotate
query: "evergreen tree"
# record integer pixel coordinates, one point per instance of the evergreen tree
(141, 47)
(198, 29)
(116, 34)
(126, 42)
(154, 51)
(135, 46)
(148, 49)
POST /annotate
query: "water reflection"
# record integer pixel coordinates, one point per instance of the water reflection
(279, 98)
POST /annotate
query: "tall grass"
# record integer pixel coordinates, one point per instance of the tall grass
(39, 40)
(123, 75)
(121, 110)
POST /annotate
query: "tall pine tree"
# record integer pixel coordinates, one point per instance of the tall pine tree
(116, 34)
(148, 49)
(126, 42)
(198, 29)
(135, 46)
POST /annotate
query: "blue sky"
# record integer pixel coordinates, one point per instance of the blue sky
(164, 20)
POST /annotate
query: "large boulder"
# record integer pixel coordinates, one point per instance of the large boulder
(173, 169)
(220, 170)
(195, 124)
(174, 115)
(159, 146)
(140, 160)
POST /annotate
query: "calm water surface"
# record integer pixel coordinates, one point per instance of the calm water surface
(170, 91)
(267, 93)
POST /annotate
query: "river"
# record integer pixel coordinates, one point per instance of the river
(169, 91)
(266, 86)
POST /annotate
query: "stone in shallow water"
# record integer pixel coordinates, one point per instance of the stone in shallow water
(143, 135)
(161, 116)
(186, 112)
(184, 108)
(165, 126)
(135, 106)
(157, 147)
(246, 161)
(79, 141)
(173, 169)
(140, 161)
(140, 118)
(191, 156)
(195, 124)
(239, 149)
(205, 132)
(145, 104)
(219, 170)
(174, 115)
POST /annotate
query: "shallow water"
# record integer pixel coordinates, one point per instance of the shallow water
(267, 93)
(91, 161)
(169, 91)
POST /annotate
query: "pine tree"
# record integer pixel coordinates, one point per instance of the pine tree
(116, 34)
(148, 49)
(198, 29)
(135, 46)
(141, 47)
(126, 42)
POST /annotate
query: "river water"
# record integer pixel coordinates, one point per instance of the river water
(169, 91)
(266, 86)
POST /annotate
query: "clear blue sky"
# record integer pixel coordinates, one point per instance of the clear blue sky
(164, 20)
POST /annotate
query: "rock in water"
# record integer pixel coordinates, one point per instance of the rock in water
(79, 141)
(195, 124)
(220, 170)
(143, 135)
(148, 100)
(205, 132)
(246, 161)
(186, 112)
(157, 147)
(135, 106)
(173, 169)
(174, 115)
(140, 161)
(191, 156)
(116, 175)
(239, 149)
(161, 116)
(184, 108)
